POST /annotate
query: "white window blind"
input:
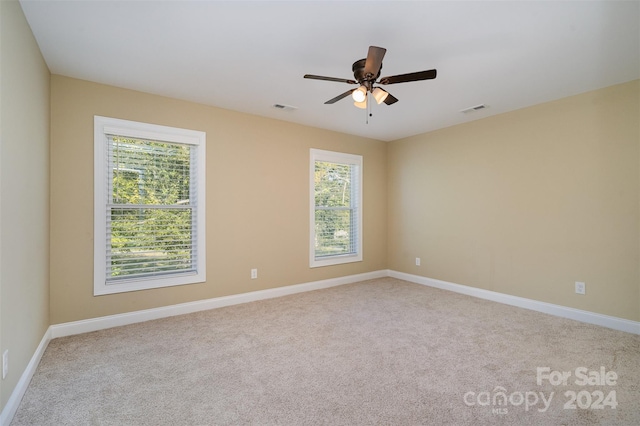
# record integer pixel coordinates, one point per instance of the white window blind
(151, 220)
(336, 200)
(150, 196)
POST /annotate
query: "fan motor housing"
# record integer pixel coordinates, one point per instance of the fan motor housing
(358, 72)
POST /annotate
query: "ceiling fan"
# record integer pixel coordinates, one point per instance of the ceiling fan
(366, 72)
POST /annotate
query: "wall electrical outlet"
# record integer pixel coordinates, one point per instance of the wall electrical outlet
(5, 363)
(581, 287)
(417, 261)
(254, 274)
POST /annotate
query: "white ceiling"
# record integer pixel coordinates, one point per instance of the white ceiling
(248, 56)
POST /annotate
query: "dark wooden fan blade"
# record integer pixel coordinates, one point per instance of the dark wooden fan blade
(374, 61)
(339, 80)
(341, 96)
(412, 76)
(390, 99)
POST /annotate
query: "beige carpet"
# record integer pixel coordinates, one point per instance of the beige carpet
(378, 352)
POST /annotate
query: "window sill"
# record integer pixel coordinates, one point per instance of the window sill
(335, 260)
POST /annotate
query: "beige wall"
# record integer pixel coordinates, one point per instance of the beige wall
(526, 203)
(24, 194)
(257, 198)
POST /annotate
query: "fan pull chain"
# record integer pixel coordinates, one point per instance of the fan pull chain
(368, 108)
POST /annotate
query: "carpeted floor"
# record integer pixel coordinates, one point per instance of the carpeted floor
(383, 351)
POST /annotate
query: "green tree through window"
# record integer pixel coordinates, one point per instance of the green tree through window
(333, 209)
(150, 213)
(336, 232)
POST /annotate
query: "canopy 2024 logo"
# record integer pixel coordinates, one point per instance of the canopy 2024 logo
(587, 399)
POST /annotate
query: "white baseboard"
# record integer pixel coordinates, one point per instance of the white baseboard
(94, 324)
(521, 302)
(21, 387)
(100, 323)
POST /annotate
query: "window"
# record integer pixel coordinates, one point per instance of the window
(149, 215)
(336, 212)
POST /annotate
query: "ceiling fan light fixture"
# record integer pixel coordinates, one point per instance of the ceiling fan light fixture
(360, 94)
(366, 73)
(380, 95)
(361, 105)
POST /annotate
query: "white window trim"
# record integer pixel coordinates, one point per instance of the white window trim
(104, 126)
(334, 157)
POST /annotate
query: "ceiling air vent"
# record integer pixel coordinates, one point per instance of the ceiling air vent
(473, 108)
(284, 107)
